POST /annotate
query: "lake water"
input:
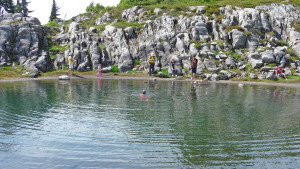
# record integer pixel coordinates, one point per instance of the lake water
(104, 124)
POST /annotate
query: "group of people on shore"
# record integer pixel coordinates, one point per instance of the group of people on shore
(280, 72)
(194, 63)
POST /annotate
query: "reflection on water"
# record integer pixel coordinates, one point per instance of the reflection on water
(104, 124)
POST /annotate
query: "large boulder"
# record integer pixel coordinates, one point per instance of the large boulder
(95, 55)
(295, 41)
(103, 19)
(268, 56)
(41, 63)
(230, 62)
(238, 39)
(125, 61)
(5, 34)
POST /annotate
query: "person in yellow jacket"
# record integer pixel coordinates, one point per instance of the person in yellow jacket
(151, 60)
(71, 65)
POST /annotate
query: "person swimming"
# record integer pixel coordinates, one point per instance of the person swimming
(143, 95)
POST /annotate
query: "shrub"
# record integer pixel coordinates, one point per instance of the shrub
(136, 62)
(198, 44)
(101, 46)
(95, 8)
(114, 69)
(52, 23)
(165, 71)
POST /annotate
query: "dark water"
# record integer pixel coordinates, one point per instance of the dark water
(104, 124)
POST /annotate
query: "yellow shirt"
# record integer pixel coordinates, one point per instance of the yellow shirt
(151, 59)
(70, 60)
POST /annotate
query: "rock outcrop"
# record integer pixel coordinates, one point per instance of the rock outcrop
(235, 38)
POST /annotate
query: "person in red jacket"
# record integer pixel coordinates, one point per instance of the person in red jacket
(280, 73)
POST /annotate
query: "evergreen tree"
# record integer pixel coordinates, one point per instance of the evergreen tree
(24, 8)
(18, 7)
(54, 11)
(7, 5)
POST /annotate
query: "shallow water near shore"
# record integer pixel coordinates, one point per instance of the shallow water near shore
(104, 124)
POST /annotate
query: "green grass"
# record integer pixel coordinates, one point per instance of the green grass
(11, 72)
(136, 62)
(233, 55)
(184, 3)
(124, 24)
(165, 71)
(101, 47)
(114, 69)
(230, 28)
(55, 47)
(52, 24)
(198, 44)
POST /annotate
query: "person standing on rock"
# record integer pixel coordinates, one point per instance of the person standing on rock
(71, 65)
(194, 63)
(99, 71)
(174, 71)
(151, 63)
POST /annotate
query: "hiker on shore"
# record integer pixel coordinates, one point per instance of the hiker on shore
(151, 60)
(174, 70)
(99, 71)
(280, 73)
(71, 66)
(194, 63)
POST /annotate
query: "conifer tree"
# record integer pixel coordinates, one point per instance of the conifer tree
(7, 5)
(54, 11)
(18, 7)
(24, 8)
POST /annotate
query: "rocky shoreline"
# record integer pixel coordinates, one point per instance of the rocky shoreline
(228, 42)
(151, 78)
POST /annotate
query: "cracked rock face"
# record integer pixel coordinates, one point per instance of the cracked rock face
(166, 37)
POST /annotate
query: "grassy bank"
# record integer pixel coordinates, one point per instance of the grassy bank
(185, 3)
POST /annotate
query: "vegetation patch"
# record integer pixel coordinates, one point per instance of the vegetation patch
(11, 72)
(212, 9)
(125, 24)
(198, 44)
(101, 47)
(297, 26)
(136, 62)
(230, 28)
(114, 69)
(52, 24)
(55, 47)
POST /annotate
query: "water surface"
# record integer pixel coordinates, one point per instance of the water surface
(104, 124)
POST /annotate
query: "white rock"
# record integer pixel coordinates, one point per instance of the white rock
(64, 77)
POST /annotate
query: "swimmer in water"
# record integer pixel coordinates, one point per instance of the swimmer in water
(143, 95)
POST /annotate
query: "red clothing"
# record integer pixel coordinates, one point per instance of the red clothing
(279, 71)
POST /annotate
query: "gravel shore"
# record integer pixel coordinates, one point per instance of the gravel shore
(292, 85)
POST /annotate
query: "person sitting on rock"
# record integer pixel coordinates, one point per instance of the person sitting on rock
(280, 73)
